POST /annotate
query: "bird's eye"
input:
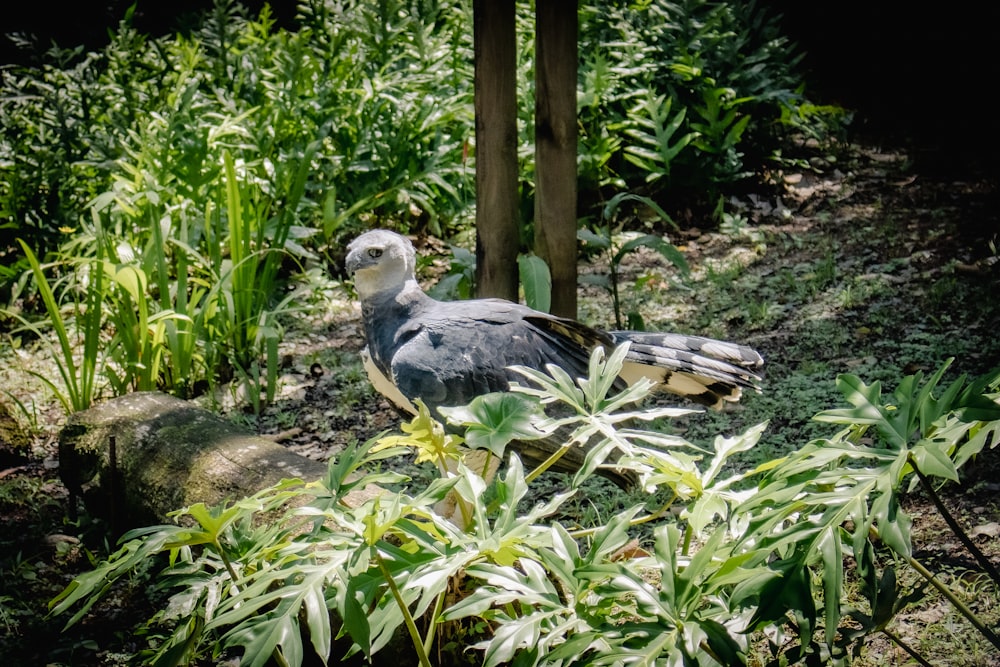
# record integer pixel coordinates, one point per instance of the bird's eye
(375, 253)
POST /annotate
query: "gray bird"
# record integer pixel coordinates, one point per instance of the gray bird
(448, 352)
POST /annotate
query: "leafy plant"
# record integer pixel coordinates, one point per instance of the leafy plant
(459, 282)
(259, 586)
(736, 558)
(841, 496)
(359, 82)
(656, 149)
(611, 239)
(680, 99)
(78, 373)
(536, 281)
(720, 128)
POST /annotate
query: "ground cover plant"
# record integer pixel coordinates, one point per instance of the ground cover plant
(547, 594)
(190, 243)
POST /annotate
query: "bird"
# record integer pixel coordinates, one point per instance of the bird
(446, 353)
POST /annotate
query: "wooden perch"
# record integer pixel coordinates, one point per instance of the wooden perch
(136, 458)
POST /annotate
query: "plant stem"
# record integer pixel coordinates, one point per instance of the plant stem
(613, 270)
(411, 626)
(688, 534)
(980, 557)
(226, 562)
(546, 464)
(432, 629)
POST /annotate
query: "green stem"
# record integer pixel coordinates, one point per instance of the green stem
(546, 464)
(411, 626)
(615, 299)
(980, 557)
(226, 562)
(586, 532)
(953, 599)
(432, 629)
(278, 656)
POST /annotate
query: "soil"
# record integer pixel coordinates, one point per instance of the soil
(927, 237)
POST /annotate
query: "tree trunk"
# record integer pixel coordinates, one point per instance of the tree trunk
(497, 219)
(136, 458)
(555, 147)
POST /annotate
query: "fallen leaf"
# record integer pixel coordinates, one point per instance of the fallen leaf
(991, 529)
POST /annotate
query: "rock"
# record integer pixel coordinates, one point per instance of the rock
(14, 442)
(138, 457)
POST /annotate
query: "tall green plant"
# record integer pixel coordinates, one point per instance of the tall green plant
(135, 354)
(611, 239)
(682, 97)
(654, 148)
(266, 588)
(76, 356)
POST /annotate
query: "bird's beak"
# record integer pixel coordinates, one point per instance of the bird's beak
(354, 261)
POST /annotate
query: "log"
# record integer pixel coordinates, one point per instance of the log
(136, 458)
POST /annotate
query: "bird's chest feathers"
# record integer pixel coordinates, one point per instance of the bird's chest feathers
(384, 385)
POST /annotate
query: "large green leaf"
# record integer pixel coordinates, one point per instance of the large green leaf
(536, 281)
(492, 421)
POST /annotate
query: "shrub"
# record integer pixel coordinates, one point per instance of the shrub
(504, 579)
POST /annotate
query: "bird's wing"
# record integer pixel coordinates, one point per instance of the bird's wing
(454, 351)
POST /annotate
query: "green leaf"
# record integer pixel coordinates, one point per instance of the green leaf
(832, 556)
(262, 635)
(590, 238)
(354, 613)
(317, 618)
(893, 524)
(492, 421)
(536, 281)
(867, 400)
(668, 250)
(787, 589)
(933, 458)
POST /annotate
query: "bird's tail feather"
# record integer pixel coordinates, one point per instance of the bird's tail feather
(705, 370)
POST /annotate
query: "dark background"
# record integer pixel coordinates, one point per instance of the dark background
(917, 75)
(923, 74)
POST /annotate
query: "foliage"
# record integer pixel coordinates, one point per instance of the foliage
(178, 318)
(339, 580)
(459, 282)
(345, 99)
(172, 186)
(687, 96)
(226, 159)
(78, 379)
(374, 103)
(611, 238)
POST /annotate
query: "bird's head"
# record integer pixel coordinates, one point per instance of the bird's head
(380, 260)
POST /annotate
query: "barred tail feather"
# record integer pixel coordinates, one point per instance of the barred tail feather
(704, 370)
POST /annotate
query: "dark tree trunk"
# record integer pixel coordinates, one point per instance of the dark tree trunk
(497, 223)
(555, 147)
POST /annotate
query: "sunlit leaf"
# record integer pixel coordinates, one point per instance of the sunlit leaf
(492, 421)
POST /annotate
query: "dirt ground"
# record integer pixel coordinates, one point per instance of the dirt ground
(931, 233)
